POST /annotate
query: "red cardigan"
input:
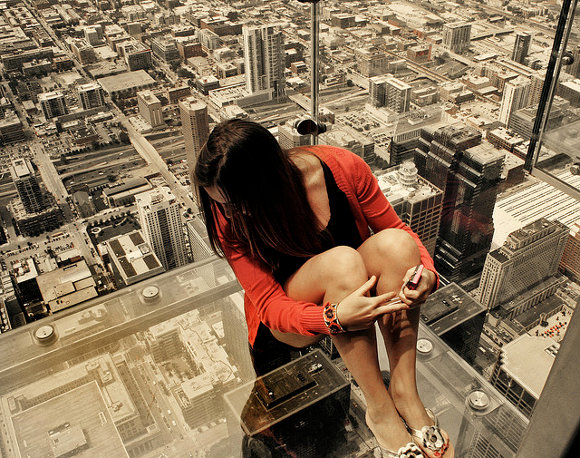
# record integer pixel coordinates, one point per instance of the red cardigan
(265, 301)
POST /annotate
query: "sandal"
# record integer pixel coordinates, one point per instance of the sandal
(411, 450)
(406, 451)
(430, 437)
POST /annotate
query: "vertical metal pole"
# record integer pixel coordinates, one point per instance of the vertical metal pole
(551, 80)
(314, 27)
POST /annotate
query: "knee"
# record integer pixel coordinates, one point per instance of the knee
(346, 267)
(399, 245)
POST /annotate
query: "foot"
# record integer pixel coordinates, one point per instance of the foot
(413, 412)
(391, 434)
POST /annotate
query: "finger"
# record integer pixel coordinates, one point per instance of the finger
(405, 299)
(391, 308)
(379, 300)
(366, 287)
(411, 293)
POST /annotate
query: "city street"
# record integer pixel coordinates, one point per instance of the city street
(48, 172)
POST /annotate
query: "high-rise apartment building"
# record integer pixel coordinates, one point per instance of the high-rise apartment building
(27, 186)
(516, 95)
(522, 121)
(165, 48)
(378, 90)
(468, 172)
(52, 104)
(390, 92)
(519, 271)
(161, 224)
(84, 52)
(417, 202)
(195, 127)
(398, 95)
(521, 47)
(91, 95)
(136, 55)
(150, 108)
(264, 60)
(371, 62)
(457, 36)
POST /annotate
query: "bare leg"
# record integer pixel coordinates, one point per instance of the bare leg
(331, 276)
(388, 255)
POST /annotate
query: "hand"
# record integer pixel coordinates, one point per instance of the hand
(357, 311)
(415, 297)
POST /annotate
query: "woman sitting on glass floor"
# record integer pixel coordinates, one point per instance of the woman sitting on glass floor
(296, 228)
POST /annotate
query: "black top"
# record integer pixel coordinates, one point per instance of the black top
(341, 229)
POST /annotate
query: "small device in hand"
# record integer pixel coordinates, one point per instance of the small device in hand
(413, 282)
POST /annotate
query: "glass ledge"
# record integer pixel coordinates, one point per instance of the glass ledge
(162, 368)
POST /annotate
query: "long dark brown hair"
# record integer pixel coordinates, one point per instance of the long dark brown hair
(263, 187)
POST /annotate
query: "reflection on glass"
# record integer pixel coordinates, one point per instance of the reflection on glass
(174, 377)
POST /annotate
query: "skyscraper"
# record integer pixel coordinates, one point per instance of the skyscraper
(160, 217)
(52, 104)
(417, 202)
(521, 47)
(264, 60)
(398, 95)
(195, 127)
(520, 270)
(390, 92)
(457, 318)
(27, 185)
(150, 108)
(378, 90)
(91, 95)
(457, 36)
(516, 95)
(468, 172)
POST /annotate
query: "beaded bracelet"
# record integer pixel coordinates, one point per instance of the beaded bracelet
(331, 319)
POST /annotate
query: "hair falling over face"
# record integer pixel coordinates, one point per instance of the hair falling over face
(264, 209)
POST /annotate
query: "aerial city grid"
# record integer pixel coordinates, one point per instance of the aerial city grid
(103, 108)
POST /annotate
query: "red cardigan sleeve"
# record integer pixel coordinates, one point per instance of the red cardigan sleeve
(378, 211)
(274, 308)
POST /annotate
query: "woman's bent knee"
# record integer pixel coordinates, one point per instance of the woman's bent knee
(399, 243)
(345, 265)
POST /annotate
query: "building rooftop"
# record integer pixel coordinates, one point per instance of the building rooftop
(448, 307)
(485, 153)
(148, 199)
(134, 256)
(67, 286)
(127, 80)
(529, 359)
(397, 189)
(531, 200)
(125, 186)
(83, 407)
(49, 95)
(21, 168)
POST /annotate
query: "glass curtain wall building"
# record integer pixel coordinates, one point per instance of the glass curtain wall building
(115, 343)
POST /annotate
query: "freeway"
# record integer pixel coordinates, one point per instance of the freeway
(148, 152)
